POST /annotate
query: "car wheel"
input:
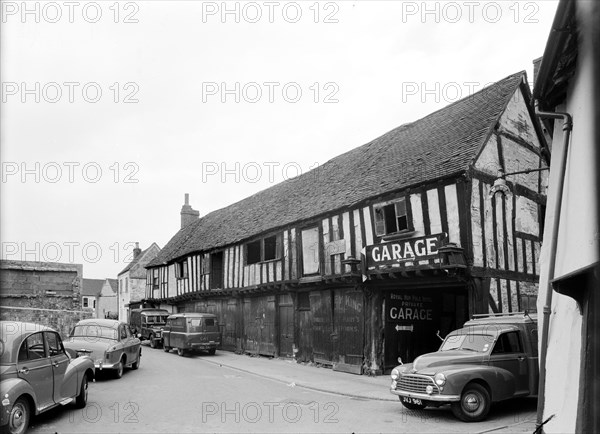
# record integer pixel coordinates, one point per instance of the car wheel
(474, 404)
(152, 341)
(119, 369)
(136, 364)
(81, 400)
(412, 406)
(18, 418)
(180, 352)
(212, 351)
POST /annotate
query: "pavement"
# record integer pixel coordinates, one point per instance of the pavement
(326, 380)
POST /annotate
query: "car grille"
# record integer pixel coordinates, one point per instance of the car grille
(416, 384)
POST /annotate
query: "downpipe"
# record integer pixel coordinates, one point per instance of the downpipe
(562, 167)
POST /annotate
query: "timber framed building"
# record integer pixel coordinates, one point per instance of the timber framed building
(364, 259)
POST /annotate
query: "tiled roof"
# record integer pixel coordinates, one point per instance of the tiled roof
(92, 287)
(114, 285)
(439, 145)
(133, 262)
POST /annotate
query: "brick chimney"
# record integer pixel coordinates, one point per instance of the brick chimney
(137, 251)
(188, 215)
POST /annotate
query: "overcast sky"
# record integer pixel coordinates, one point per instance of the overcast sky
(111, 112)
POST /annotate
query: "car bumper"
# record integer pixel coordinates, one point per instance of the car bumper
(203, 345)
(425, 396)
(105, 365)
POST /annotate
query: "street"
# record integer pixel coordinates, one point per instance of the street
(196, 394)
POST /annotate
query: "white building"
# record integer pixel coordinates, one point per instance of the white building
(569, 299)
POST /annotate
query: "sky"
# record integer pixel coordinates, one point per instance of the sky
(112, 111)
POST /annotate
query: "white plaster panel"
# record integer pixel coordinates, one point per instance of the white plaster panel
(476, 229)
(452, 212)
(433, 204)
(417, 213)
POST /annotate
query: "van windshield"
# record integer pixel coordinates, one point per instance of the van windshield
(156, 319)
(472, 342)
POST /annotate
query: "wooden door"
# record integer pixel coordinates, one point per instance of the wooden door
(286, 326)
(322, 326)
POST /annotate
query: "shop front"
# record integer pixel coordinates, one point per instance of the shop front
(416, 319)
(421, 285)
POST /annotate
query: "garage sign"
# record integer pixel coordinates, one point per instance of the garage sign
(401, 251)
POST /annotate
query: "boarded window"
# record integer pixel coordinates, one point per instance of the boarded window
(310, 250)
(390, 217)
(303, 301)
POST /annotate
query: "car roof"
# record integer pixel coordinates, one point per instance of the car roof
(496, 324)
(191, 315)
(512, 318)
(13, 333)
(152, 310)
(112, 323)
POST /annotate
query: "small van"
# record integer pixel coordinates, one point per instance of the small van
(149, 324)
(188, 332)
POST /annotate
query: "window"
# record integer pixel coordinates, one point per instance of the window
(85, 302)
(181, 269)
(271, 250)
(54, 344)
(155, 279)
(253, 252)
(266, 249)
(94, 303)
(390, 217)
(216, 270)
(32, 348)
(310, 251)
(508, 343)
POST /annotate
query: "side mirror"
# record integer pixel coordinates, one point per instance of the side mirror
(139, 335)
(400, 360)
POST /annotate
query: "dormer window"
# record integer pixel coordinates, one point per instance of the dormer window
(266, 249)
(390, 217)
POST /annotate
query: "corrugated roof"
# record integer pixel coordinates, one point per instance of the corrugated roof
(439, 145)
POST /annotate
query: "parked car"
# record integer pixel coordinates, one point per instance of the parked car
(490, 359)
(108, 342)
(188, 332)
(37, 374)
(149, 324)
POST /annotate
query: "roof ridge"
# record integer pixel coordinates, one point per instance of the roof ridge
(441, 143)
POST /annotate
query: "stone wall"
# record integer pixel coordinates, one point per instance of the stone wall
(42, 292)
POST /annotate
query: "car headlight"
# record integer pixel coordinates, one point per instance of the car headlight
(395, 374)
(440, 379)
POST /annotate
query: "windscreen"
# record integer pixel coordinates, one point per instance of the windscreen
(472, 342)
(94, 331)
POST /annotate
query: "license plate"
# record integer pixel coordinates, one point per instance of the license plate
(412, 400)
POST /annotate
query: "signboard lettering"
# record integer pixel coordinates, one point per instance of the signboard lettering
(413, 249)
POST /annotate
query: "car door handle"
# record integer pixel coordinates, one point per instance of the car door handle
(23, 371)
(521, 358)
(55, 364)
